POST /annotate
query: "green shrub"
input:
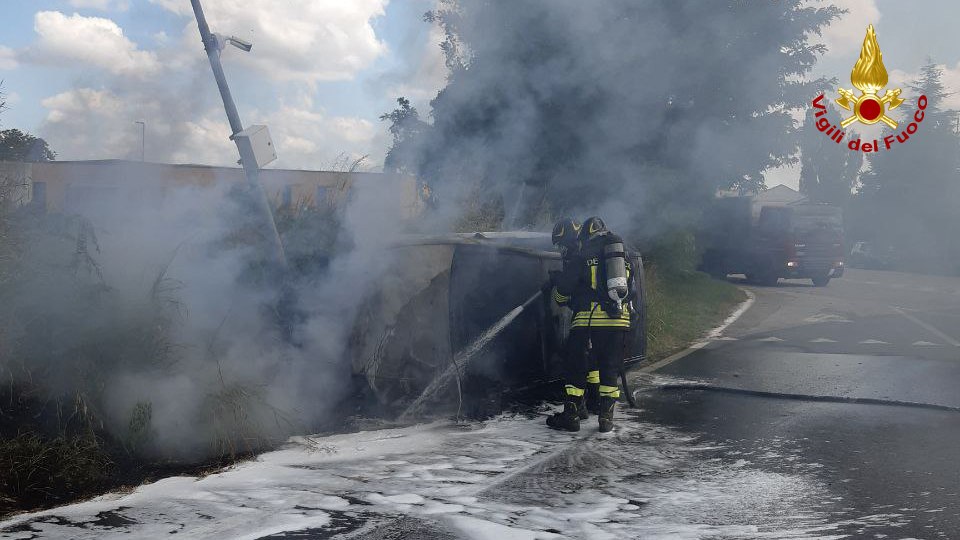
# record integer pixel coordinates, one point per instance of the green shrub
(682, 307)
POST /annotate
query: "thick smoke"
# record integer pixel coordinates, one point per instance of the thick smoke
(636, 111)
(163, 318)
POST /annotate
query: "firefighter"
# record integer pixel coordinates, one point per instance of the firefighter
(566, 236)
(597, 286)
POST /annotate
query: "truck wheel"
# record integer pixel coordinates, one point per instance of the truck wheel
(821, 281)
(767, 275)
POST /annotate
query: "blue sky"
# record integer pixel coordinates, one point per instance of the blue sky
(301, 78)
(80, 72)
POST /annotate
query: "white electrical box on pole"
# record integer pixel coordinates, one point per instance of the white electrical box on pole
(256, 141)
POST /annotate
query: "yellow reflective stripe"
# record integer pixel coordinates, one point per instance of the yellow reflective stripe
(593, 377)
(573, 390)
(598, 317)
(609, 391)
(599, 313)
(593, 277)
(616, 323)
(559, 298)
(602, 322)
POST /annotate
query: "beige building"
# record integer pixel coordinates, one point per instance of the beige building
(75, 186)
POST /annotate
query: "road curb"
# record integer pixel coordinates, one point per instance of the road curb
(711, 335)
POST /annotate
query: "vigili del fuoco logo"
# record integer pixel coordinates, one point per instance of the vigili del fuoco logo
(869, 76)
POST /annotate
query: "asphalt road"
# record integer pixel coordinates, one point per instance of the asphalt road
(853, 386)
(821, 413)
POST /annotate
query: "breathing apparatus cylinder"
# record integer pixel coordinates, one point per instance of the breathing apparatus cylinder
(615, 264)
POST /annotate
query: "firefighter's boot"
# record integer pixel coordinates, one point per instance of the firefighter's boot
(592, 399)
(605, 417)
(582, 408)
(566, 420)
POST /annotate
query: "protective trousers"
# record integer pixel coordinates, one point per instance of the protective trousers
(606, 350)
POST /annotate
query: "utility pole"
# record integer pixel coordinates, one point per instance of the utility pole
(143, 139)
(254, 144)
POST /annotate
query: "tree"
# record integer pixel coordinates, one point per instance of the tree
(406, 128)
(16, 145)
(637, 111)
(909, 194)
(828, 172)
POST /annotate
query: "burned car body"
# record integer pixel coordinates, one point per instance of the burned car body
(444, 292)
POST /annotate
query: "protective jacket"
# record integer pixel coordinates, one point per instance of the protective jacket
(582, 286)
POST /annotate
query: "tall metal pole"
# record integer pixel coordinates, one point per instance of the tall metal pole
(213, 46)
(143, 139)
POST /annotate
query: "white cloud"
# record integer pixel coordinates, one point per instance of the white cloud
(427, 77)
(951, 82)
(85, 123)
(311, 139)
(297, 43)
(81, 123)
(97, 124)
(93, 41)
(8, 58)
(297, 40)
(102, 5)
(844, 35)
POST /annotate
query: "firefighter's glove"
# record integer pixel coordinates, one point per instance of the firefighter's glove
(547, 288)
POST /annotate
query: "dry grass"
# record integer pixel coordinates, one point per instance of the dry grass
(36, 470)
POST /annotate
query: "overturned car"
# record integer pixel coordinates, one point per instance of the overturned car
(445, 294)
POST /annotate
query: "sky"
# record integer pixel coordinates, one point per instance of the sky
(81, 73)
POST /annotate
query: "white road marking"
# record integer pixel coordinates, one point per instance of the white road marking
(725, 338)
(928, 327)
(925, 344)
(873, 342)
(770, 339)
(827, 317)
(822, 340)
(715, 333)
(718, 331)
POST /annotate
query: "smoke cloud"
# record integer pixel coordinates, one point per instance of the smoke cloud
(162, 317)
(633, 111)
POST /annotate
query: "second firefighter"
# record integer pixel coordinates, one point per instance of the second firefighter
(597, 284)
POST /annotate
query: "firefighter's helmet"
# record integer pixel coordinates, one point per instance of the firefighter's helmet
(592, 228)
(565, 233)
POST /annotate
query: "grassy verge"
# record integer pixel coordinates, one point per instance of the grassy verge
(681, 308)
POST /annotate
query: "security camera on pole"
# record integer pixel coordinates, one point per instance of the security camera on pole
(254, 143)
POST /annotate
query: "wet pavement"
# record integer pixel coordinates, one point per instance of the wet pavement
(857, 383)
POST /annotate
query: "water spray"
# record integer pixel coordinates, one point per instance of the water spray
(461, 359)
